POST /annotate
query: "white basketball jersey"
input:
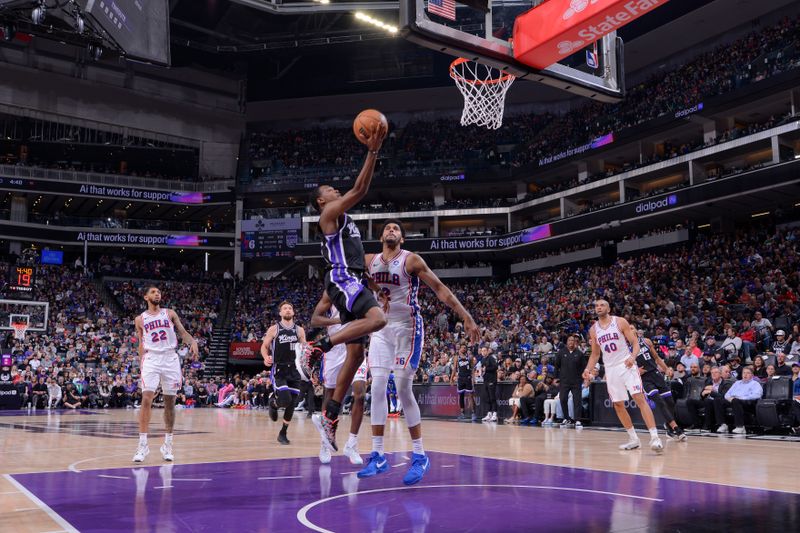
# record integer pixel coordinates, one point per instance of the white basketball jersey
(613, 344)
(402, 289)
(333, 313)
(159, 333)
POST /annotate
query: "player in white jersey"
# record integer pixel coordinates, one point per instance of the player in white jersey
(398, 346)
(326, 315)
(157, 330)
(612, 337)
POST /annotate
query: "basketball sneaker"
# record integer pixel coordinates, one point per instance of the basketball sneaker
(166, 452)
(376, 464)
(487, 418)
(420, 464)
(324, 454)
(632, 444)
(494, 417)
(327, 430)
(141, 452)
(723, 428)
(351, 452)
(656, 445)
(283, 439)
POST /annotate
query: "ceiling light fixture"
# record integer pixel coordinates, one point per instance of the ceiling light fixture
(375, 22)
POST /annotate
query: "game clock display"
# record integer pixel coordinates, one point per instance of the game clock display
(21, 280)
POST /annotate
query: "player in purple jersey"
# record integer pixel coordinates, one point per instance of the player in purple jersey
(345, 282)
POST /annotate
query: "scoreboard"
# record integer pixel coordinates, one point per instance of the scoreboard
(276, 237)
(21, 281)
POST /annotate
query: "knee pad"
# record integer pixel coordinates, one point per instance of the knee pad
(379, 409)
(410, 407)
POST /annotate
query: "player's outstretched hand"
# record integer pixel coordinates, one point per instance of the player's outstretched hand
(376, 137)
(472, 331)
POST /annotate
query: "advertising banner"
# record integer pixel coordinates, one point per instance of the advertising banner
(557, 29)
(245, 351)
(111, 192)
(602, 410)
(97, 236)
(437, 399)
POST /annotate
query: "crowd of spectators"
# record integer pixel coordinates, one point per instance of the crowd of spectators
(152, 268)
(87, 357)
(58, 218)
(430, 146)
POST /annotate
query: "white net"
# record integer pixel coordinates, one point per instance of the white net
(20, 323)
(484, 90)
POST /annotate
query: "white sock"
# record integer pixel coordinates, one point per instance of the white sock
(142, 438)
(352, 441)
(377, 445)
(653, 433)
(416, 446)
(632, 434)
(168, 438)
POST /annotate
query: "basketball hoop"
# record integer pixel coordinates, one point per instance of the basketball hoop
(484, 90)
(19, 330)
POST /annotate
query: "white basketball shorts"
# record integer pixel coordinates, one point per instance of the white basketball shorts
(164, 370)
(332, 364)
(398, 347)
(622, 380)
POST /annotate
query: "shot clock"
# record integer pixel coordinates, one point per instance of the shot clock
(21, 281)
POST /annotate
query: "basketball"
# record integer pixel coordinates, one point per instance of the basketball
(365, 122)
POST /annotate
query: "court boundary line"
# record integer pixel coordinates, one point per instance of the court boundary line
(57, 518)
(303, 512)
(660, 476)
(432, 450)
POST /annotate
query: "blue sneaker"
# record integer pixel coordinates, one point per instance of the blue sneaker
(376, 464)
(419, 465)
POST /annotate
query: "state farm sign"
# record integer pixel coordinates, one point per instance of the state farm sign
(556, 29)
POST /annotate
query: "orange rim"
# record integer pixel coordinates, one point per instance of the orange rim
(461, 60)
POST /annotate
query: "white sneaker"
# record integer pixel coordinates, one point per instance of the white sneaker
(166, 452)
(351, 452)
(324, 454)
(578, 425)
(656, 445)
(740, 431)
(487, 418)
(494, 417)
(723, 428)
(141, 452)
(630, 445)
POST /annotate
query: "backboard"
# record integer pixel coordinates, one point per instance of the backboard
(37, 313)
(595, 71)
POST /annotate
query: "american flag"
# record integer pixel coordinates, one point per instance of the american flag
(443, 8)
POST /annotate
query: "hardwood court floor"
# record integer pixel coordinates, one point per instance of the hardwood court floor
(68, 444)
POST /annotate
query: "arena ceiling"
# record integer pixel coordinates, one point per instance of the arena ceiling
(287, 48)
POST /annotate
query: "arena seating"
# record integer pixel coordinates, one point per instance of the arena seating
(426, 147)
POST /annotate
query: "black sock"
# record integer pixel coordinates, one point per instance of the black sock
(332, 409)
(284, 428)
